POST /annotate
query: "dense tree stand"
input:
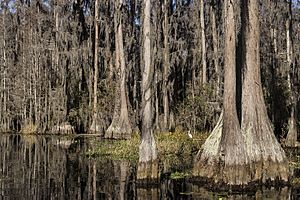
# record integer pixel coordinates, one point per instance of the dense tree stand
(239, 154)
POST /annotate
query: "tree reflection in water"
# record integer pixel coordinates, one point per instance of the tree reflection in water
(52, 167)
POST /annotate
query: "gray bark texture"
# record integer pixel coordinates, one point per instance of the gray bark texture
(238, 154)
(96, 127)
(223, 157)
(291, 139)
(148, 164)
(203, 43)
(120, 128)
(266, 157)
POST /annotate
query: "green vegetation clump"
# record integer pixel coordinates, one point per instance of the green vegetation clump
(116, 149)
(179, 143)
(168, 145)
(179, 175)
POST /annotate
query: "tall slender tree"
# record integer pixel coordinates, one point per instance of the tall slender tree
(95, 127)
(291, 139)
(203, 43)
(215, 42)
(166, 65)
(120, 126)
(148, 163)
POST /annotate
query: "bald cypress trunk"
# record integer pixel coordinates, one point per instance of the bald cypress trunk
(223, 157)
(95, 127)
(238, 154)
(4, 118)
(215, 50)
(266, 156)
(120, 126)
(166, 67)
(148, 164)
(291, 139)
(203, 43)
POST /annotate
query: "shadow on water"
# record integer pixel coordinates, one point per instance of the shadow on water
(52, 167)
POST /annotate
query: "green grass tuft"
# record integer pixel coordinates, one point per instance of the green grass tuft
(168, 145)
(179, 175)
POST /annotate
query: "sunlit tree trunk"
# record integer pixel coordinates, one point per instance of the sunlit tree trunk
(148, 164)
(95, 126)
(120, 126)
(266, 157)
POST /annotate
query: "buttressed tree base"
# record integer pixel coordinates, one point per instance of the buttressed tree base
(239, 152)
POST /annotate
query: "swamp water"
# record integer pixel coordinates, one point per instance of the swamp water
(56, 167)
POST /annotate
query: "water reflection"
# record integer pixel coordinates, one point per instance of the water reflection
(50, 167)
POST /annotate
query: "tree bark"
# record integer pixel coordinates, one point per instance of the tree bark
(266, 156)
(223, 156)
(203, 43)
(148, 164)
(95, 127)
(166, 67)
(291, 139)
(240, 154)
(120, 126)
(4, 121)
(215, 50)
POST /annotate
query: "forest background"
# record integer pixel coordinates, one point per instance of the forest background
(64, 63)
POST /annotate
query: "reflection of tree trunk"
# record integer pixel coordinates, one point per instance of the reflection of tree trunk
(267, 158)
(120, 126)
(148, 165)
(124, 167)
(149, 194)
(291, 139)
(94, 181)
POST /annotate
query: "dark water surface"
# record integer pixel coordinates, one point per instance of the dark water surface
(52, 167)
